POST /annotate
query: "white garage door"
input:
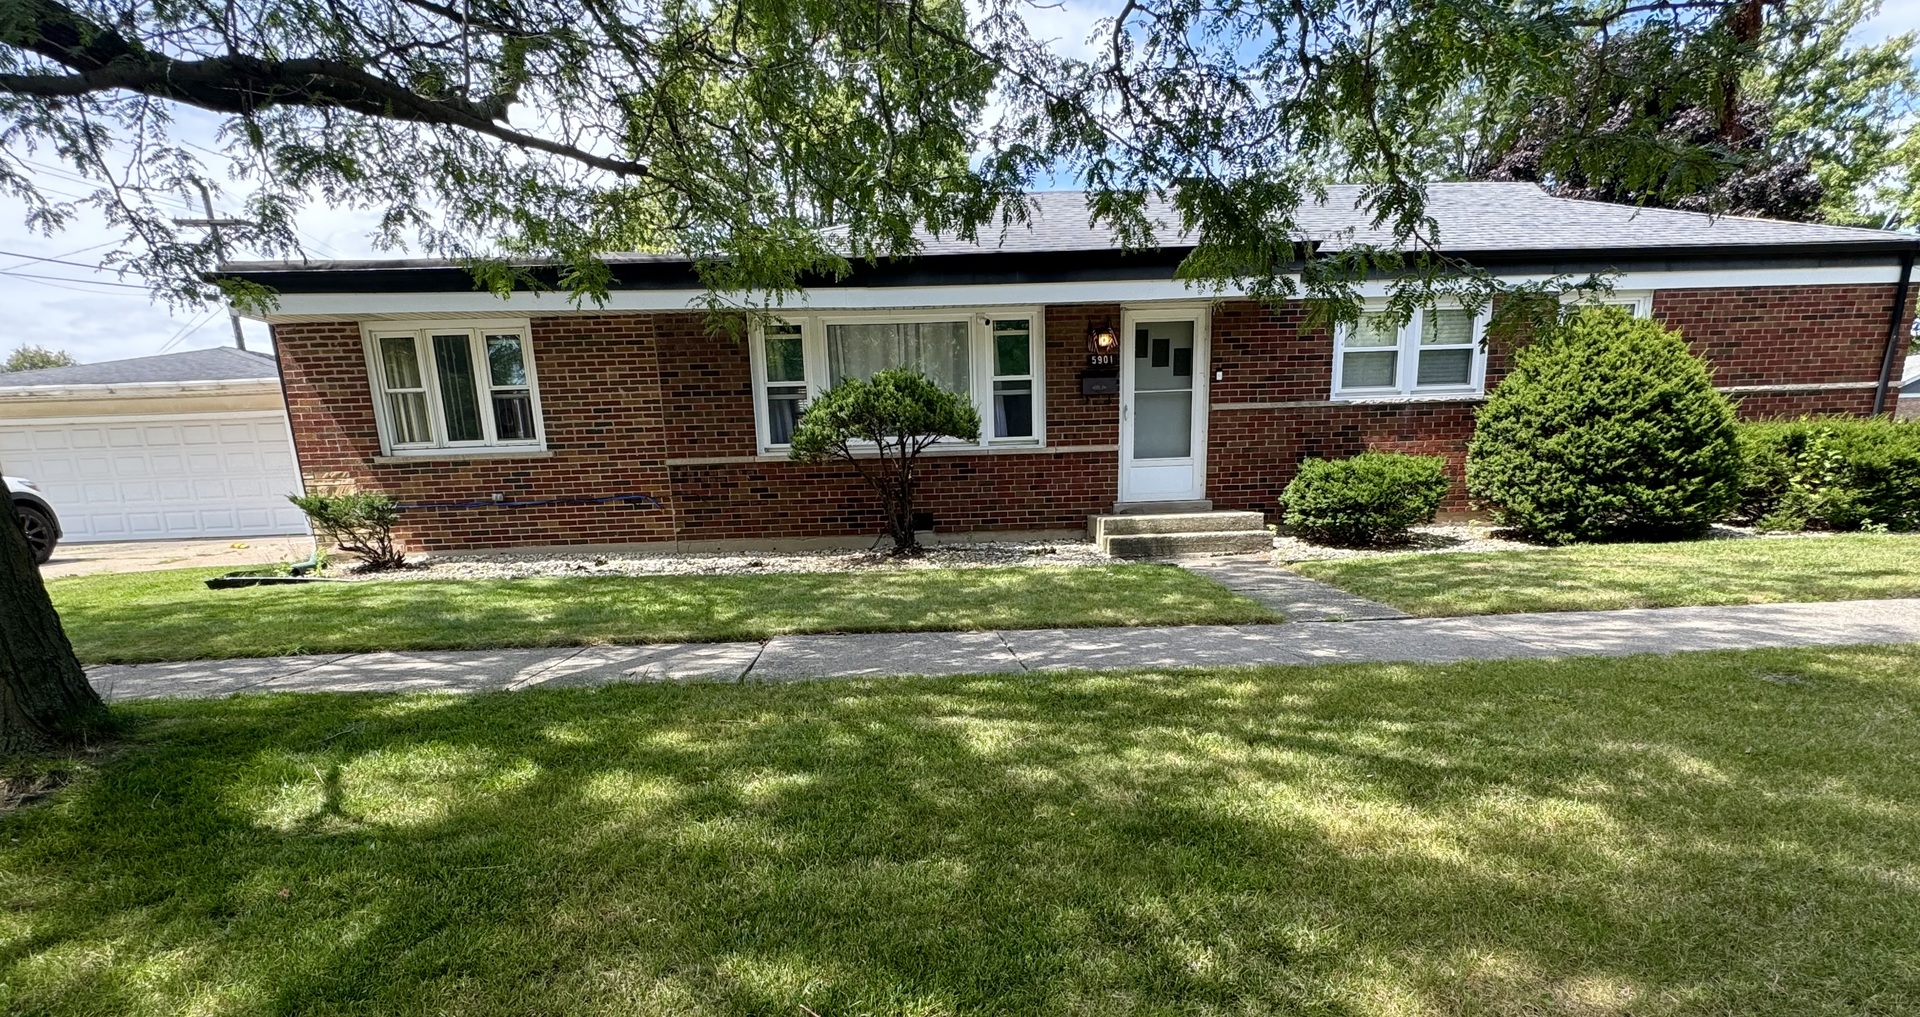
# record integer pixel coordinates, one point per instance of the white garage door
(224, 476)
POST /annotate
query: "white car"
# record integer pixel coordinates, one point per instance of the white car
(36, 516)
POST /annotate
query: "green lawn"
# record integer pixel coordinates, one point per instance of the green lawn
(171, 615)
(1603, 576)
(1703, 834)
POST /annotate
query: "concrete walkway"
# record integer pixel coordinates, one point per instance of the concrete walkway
(1293, 595)
(149, 555)
(789, 658)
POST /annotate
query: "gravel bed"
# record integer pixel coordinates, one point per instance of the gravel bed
(1445, 538)
(523, 565)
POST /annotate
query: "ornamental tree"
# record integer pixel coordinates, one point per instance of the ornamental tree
(881, 425)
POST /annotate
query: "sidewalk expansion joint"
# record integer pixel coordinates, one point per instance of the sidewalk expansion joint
(1011, 652)
(757, 654)
(524, 681)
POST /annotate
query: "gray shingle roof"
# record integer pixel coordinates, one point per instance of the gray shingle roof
(222, 363)
(1471, 217)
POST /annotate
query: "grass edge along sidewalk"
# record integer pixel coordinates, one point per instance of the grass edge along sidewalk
(156, 616)
(1598, 577)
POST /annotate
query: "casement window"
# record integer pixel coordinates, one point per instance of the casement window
(459, 387)
(993, 358)
(1438, 352)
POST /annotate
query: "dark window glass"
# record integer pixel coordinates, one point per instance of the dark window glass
(1013, 409)
(453, 361)
(1010, 353)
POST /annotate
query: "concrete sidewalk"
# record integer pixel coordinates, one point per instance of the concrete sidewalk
(790, 658)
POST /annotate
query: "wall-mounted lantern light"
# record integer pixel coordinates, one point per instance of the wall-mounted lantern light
(1102, 339)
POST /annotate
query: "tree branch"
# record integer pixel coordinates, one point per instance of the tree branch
(103, 60)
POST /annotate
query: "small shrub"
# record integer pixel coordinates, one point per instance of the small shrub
(1608, 428)
(1367, 501)
(359, 523)
(881, 425)
(1830, 474)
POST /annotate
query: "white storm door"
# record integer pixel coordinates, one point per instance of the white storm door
(1163, 406)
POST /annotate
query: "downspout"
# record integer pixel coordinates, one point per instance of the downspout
(1894, 322)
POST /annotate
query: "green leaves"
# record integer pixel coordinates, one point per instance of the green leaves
(881, 425)
(1608, 428)
(359, 522)
(894, 411)
(1831, 474)
(777, 143)
(1370, 500)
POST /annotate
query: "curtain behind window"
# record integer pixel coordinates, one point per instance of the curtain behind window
(936, 349)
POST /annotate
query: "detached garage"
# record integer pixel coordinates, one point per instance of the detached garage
(190, 444)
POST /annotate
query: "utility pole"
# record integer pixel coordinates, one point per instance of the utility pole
(212, 226)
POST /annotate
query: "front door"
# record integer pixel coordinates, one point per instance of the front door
(1163, 407)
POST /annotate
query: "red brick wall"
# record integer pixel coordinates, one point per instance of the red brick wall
(1794, 335)
(633, 403)
(600, 405)
(1779, 335)
(763, 499)
(627, 399)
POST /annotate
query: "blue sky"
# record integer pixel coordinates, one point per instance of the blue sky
(99, 316)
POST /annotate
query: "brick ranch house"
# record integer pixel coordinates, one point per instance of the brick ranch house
(512, 422)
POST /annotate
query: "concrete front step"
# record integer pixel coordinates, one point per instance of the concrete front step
(1101, 527)
(1173, 545)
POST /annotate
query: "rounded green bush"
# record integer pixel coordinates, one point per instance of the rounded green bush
(1367, 501)
(1608, 428)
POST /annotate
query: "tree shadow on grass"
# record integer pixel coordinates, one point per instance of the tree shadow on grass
(1637, 836)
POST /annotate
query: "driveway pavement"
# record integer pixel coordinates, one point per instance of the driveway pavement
(148, 555)
(791, 658)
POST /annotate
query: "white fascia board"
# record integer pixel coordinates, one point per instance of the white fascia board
(236, 386)
(314, 306)
(294, 307)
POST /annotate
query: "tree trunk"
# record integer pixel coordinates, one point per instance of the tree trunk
(45, 700)
(900, 504)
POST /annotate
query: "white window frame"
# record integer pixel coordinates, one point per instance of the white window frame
(1638, 302)
(476, 331)
(980, 364)
(1407, 363)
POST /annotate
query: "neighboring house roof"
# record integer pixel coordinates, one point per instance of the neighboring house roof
(222, 363)
(1492, 222)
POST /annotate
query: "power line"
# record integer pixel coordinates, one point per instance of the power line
(189, 329)
(158, 197)
(52, 261)
(67, 279)
(63, 254)
(73, 289)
